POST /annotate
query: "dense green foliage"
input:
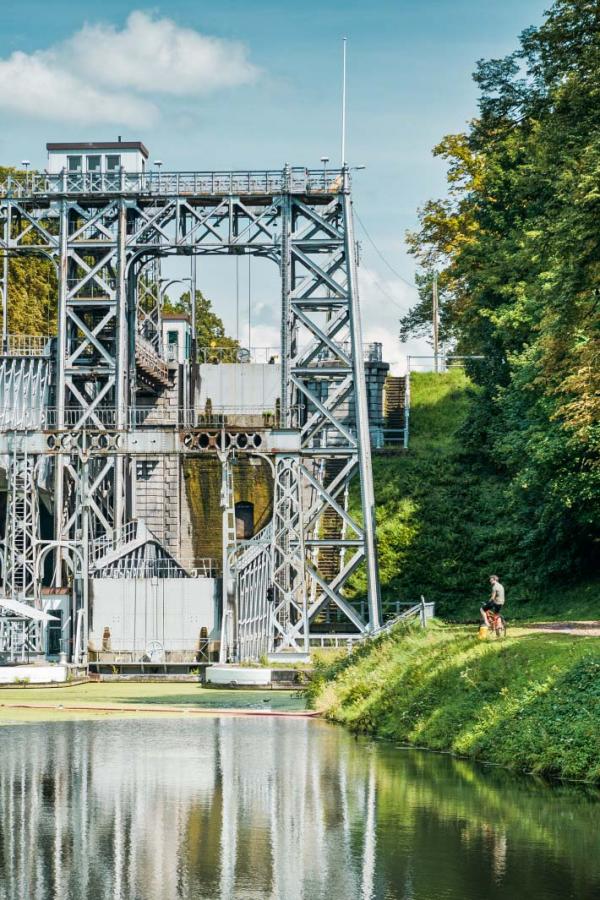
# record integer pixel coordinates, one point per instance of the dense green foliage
(32, 289)
(517, 247)
(530, 703)
(443, 524)
(210, 331)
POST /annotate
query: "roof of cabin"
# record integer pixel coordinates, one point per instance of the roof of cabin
(176, 317)
(101, 145)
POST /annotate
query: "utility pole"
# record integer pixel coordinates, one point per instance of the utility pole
(436, 324)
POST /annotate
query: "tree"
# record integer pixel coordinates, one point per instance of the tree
(210, 330)
(32, 289)
(517, 247)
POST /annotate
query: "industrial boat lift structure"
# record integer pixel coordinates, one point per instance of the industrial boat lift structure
(72, 423)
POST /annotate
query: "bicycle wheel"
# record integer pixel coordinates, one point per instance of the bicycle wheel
(500, 627)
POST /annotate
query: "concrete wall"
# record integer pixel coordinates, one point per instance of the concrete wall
(38, 674)
(240, 385)
(137, 611)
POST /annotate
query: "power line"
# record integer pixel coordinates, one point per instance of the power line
(386, 293)
(381, 256)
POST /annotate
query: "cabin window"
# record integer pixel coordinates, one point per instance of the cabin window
(113, 163)
(94, 163)
(74, 163)
(244, 520)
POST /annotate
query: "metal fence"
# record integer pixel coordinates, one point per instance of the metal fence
(296, 180)
(26, 345)
(442, 363)
(67, 419)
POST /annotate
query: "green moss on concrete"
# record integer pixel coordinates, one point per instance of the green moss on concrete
(202, 475)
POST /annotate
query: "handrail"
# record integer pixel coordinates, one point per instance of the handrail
(422, 609)
(26, 345)
(265, 183)
(215, 418)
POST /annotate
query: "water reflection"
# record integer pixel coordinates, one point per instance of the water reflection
(247, 808)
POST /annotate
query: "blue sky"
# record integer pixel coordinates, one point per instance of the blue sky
(264, 89)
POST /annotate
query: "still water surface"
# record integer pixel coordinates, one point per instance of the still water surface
(276, 808)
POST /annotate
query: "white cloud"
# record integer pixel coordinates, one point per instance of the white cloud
(101, 74)
(35, 86)
(158, 55)
(382, 303)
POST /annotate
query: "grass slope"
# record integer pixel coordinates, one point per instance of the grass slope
(530, 703)
(440, 519)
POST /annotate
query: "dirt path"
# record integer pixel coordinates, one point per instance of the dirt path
(581, 629)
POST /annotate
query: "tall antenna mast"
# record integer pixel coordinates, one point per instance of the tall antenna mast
(344, 43)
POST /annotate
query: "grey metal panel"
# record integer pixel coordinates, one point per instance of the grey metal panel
(138, 611)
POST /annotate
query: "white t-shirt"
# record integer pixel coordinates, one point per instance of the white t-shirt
(498, 593)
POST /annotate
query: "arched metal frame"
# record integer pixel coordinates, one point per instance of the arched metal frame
(101, 233)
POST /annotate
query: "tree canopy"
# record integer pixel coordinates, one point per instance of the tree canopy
(516, 243)
(210, 330)
(32, 289)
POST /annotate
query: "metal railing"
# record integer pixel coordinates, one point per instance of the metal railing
(394, 612)
(106, 544)
(204, 567)
(93, 288)
(26, 345)
(422, 610)
(443, 363)
(215, 355)
(68, 419)
(296, 180)
(372, 352)
(171, 652)
(147, 357)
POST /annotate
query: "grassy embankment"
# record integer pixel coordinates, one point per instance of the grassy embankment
(442, 520)
(530, 703)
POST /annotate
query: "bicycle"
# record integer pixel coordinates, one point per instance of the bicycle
(496, 624)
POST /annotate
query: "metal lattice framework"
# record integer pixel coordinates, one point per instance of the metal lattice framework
(20, 575)
(105, 235)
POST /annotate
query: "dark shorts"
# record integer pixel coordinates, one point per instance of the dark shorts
(494, 607)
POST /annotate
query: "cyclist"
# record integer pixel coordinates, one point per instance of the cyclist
(496, 602)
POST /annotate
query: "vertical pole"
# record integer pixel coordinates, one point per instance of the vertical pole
(85, 543)
(237, 299)
(435, 317)
(121, 367)
(194, 347)
(362, 414)
(60, 393)
(344, 47)
(5, 274)
(193, 272)
(250, 302)
(286, 287)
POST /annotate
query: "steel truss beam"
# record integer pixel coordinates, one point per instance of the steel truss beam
(101, 236)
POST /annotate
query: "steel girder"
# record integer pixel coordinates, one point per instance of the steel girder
(100, 241)
(289, 619)
(21, 542)
(252, 564)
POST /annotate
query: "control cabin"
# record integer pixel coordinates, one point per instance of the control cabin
(97, 158)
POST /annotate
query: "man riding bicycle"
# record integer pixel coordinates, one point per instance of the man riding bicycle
(496, 602)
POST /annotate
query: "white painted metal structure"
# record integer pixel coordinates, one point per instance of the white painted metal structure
(104, 232)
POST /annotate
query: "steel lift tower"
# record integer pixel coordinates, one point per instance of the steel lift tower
(74, 422)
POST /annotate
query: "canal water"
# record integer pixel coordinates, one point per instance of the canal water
(250, 808)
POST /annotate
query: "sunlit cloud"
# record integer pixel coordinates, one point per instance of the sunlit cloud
(103, 74)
